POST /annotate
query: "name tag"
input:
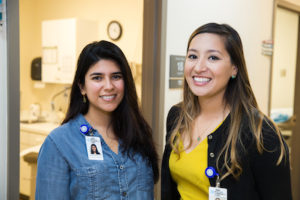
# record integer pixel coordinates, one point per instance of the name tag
(94, 148)
(216, 193)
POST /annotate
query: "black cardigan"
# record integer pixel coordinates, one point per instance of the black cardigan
(261, 178)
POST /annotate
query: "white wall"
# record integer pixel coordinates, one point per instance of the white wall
(32, 12)
(251, 18)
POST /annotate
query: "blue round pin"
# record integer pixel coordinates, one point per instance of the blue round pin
(84, 129)
(210, 172)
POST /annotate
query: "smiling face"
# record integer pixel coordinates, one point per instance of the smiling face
(104, 86)
(208, 66)
(94, 148)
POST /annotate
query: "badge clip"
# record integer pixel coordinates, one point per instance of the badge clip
(215, 192)
(210, 172)
(86, 130)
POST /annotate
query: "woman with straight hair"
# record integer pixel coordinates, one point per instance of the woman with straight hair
(219, 143)
(103, 111)
(94, 149)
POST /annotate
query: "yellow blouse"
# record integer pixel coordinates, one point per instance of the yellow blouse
(189, 172)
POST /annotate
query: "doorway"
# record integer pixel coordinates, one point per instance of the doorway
(285, 87)
(49, 98)
(152, 19)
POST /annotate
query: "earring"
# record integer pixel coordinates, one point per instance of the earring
(84, 98)
(233, 76)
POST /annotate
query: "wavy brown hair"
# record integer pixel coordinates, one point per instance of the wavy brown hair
(238, 96)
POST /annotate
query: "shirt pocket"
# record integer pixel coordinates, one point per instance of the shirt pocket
(92, 182)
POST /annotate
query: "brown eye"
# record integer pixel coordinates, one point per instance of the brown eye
(117, 77)
(192, 56)
(213, 58)
(97, 78)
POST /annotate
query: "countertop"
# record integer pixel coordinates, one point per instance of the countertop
(43, 128)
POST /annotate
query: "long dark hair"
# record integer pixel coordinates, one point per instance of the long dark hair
(238, 95)
(93, 145)
(127, 121)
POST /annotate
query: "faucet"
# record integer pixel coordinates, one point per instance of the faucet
(57, 94)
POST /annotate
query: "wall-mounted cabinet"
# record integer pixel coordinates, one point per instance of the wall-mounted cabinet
(62, 42)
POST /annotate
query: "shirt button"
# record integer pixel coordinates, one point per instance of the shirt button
(212, 155)
(124, 194)
(121, 167)
(210, 137)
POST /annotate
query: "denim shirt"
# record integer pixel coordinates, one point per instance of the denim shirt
(65, 171)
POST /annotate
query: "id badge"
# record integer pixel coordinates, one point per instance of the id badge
(217, 193)
(94, 148)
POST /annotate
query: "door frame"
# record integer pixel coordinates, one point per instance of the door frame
(153, 72)
(295, 140)
(288, 6)
(13, 100)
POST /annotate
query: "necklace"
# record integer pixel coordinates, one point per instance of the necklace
(202, 133)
